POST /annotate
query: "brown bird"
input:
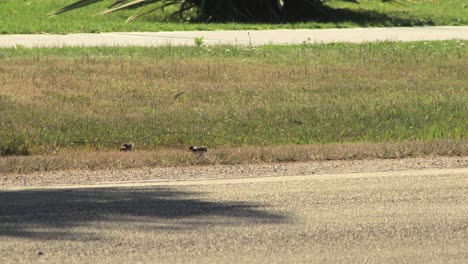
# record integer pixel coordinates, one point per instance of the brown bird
(126, 147)
(199, 150)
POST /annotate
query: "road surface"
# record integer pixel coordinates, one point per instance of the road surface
(413, 216)
(251, 37)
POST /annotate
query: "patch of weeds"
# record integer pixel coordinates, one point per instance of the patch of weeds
(82, 100)
(16, 147)
(199, 42)
(5, 102)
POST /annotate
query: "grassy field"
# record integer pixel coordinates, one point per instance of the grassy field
(31, 17)
(172, 97)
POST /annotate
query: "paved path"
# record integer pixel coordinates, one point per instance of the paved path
(386, 217)
(353, 35)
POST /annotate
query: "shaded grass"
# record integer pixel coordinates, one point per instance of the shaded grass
(28, 17)
(174, 97)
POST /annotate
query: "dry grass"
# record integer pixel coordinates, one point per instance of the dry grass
(231, 96)
(73, 159)
(296, 103)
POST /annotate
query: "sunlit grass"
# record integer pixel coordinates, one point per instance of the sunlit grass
(232, 96)
(31, 17)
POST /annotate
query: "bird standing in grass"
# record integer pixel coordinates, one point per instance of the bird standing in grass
(198, 150)
(126, 147)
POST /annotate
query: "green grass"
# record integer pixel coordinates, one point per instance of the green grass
(233, 96)
(27, 17)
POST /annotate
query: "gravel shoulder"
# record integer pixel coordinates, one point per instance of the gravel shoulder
(86, 177)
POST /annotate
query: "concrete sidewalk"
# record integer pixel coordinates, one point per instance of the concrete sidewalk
(243, 37)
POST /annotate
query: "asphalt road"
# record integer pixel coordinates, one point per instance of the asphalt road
(418, 216)
(252, 37)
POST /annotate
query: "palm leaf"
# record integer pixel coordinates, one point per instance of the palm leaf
(128, 5)
(73, 6)
(160, 5)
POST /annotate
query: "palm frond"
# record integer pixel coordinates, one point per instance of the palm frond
(117, 3)
(159, 5)
(127, 5)
(73, 6)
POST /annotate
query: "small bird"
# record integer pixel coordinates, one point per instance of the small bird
(126, 147)
(199, 150)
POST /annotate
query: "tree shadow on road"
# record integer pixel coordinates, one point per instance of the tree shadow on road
(47, 214)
